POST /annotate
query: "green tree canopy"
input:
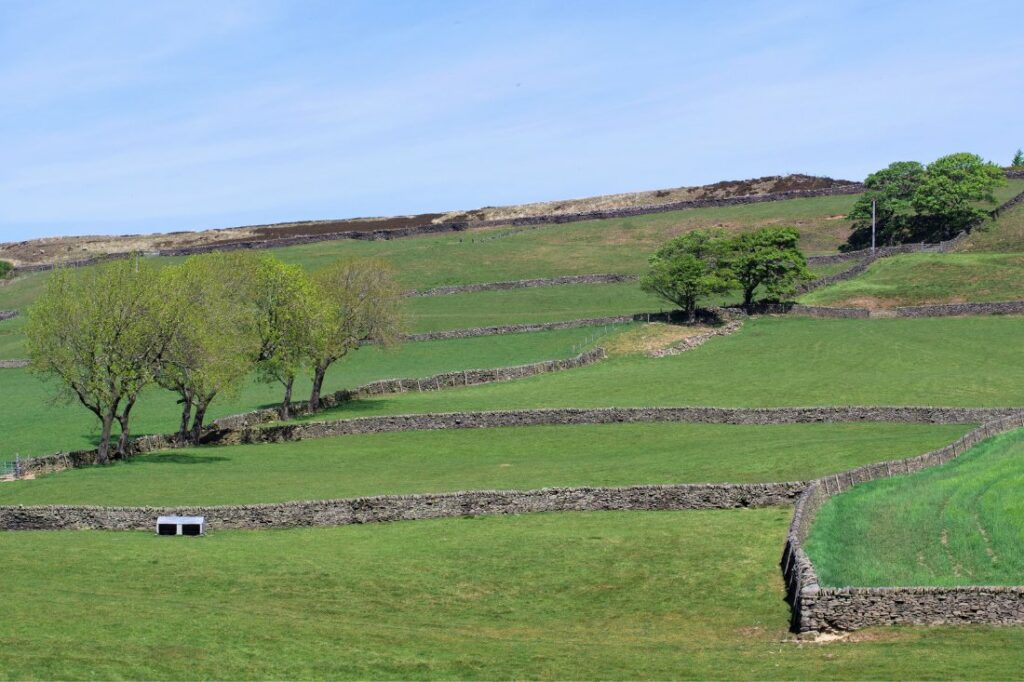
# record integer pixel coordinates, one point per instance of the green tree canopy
(688, 268)
(952, 189)
(1018, 159)
(917, 203)
(103, 333)
(892, 190)
(360, 302)
(216, 344)
(768, 258)
(286, 313)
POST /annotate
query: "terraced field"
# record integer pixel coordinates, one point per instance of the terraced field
(610, 594)
(521, 458)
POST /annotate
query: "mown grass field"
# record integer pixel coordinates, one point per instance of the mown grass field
(483, 459)
(925, 278)
(628, 595)
(775, 361)
(34, 424)
(958, 524)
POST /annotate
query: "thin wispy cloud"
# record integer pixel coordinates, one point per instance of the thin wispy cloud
(135, 117)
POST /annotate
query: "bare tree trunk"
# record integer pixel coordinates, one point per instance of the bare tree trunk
(197, 422)
(748, 298)
(286, 405)
(186, 415)
(318, 382)
(122, 440)
(103, 451)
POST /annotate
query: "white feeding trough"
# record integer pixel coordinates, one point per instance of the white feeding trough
(180, 525)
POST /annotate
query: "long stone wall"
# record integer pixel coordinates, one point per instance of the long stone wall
(8, 314)
(818, 609)
(13, 364)
(469, 377)
(603, 415)
(952, 309)
(410, 507)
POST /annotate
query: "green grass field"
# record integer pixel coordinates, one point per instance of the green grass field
(610, 595)
(1005, 234)
(483, 459)
(924, 278)
(12, 340)
(617, 245)
(535, 304)
(34, 424)
(958, 524)
(775, 361)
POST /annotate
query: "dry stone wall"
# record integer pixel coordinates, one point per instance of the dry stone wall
(469, 377)
(409, 507)
(818, 609)
(951, 309)
(603, 415)
(8, 314)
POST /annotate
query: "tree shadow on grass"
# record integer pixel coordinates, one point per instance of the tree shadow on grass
(175, 458)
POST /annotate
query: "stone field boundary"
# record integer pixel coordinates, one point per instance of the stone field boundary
(826, 609)
(385, 508)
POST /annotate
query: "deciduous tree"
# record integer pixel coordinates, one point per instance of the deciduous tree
(952, 191)
(215, 344)
(360, 302)
(688, 268)
(768, 258)
(102, 332)
(286, 314)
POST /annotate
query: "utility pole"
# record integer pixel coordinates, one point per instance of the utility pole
(872, 227)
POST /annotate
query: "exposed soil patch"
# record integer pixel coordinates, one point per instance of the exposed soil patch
(650, 337)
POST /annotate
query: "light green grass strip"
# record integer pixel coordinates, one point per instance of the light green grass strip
(774, 362)
(957, 524)
(602, 595)
(483, 459)
(924, 278)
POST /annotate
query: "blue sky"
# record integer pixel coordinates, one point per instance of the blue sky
(119, 117)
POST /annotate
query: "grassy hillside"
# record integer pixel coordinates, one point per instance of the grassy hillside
(484, 459)
(12, 340)
(35, 424)
(1005, 234)
(925, 278)
(775, 361)
(958, 524)
(551, 596)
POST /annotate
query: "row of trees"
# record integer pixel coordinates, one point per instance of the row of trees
(917, 203)
(702, 263)
(200, 328)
